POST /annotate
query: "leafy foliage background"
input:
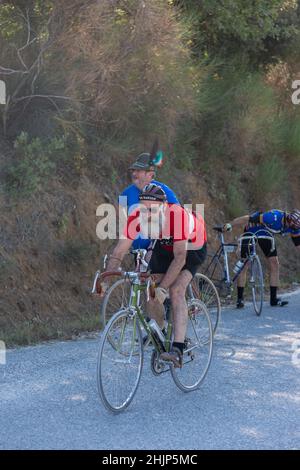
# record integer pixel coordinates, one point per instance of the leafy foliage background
(89, 85)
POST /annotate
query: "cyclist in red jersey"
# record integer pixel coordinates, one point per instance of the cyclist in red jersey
(177, 250)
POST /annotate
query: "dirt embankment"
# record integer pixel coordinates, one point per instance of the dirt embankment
(49, 252)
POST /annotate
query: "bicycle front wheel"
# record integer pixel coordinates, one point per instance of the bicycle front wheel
(204, 289)
(257, 285)
(116, 298)
(198, 349)
(120, 361)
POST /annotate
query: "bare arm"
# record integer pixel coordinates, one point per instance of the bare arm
(118, 254)
(244, 220)
(176, 266)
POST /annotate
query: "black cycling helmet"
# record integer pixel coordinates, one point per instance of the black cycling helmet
(153, 192)
(293, 219)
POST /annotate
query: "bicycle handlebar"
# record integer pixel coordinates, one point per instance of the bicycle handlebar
(255, 237)
(140, 259)
(100, 277)
(130, 274)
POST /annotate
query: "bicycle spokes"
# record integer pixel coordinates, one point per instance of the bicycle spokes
(120, 361)
(198, 349)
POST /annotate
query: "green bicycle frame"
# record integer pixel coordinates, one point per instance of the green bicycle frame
(136, 288)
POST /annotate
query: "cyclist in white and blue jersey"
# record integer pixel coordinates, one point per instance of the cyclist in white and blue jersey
(142, 173)
(267, 223)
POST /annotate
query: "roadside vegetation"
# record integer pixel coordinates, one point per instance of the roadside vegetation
(89, 86)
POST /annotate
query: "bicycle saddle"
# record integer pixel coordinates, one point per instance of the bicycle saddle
(218, 228)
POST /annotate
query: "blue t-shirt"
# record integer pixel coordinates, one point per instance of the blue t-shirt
(273, 220)
(132, 193)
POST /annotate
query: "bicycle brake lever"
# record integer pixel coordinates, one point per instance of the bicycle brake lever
(104, 261)
(148, 290)
(97, 275)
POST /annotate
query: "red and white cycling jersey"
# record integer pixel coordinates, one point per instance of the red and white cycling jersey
(180, 224)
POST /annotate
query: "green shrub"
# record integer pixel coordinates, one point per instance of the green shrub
(129, 67)
(35, 162)
(293, 138)
(62, 224)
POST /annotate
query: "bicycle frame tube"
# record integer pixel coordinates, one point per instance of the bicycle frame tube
(226, 267)
(251, 248)
(237, 275)
(256, 237)
(134, 303)
(215, 260)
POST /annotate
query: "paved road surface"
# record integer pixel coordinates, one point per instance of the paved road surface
(249, 400)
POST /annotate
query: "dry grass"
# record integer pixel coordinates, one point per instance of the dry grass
(130, 76)
(128, 69)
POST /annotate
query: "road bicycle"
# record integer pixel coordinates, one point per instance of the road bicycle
(118, 295)
(121, 351)
(218, 271)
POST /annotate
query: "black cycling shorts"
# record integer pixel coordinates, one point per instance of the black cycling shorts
(265, 245)
(161, 259)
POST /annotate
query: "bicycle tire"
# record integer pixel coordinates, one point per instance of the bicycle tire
(118, 298)
(181, 376)
(205, 290)
(115, 299)
(257, 300)
(120, 360)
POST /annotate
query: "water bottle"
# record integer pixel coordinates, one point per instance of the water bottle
(238, 267)
(156, 331)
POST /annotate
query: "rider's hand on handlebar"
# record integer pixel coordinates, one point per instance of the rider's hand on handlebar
(227, 227)
(101, 288)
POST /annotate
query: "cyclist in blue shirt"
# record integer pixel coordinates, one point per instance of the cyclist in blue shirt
(142, 173)
(267, 223)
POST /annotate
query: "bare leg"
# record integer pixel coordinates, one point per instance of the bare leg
(154, 309)
(180, 311)
(241, 280)
(273, 264)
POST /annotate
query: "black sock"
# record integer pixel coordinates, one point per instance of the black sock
(240, 292)
(273, 294)
(180, 346)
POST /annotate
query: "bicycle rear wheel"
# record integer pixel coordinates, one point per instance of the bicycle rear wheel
(214, 270)
(198, 351)
(257, 285)
(120, 361)
(205, 290)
